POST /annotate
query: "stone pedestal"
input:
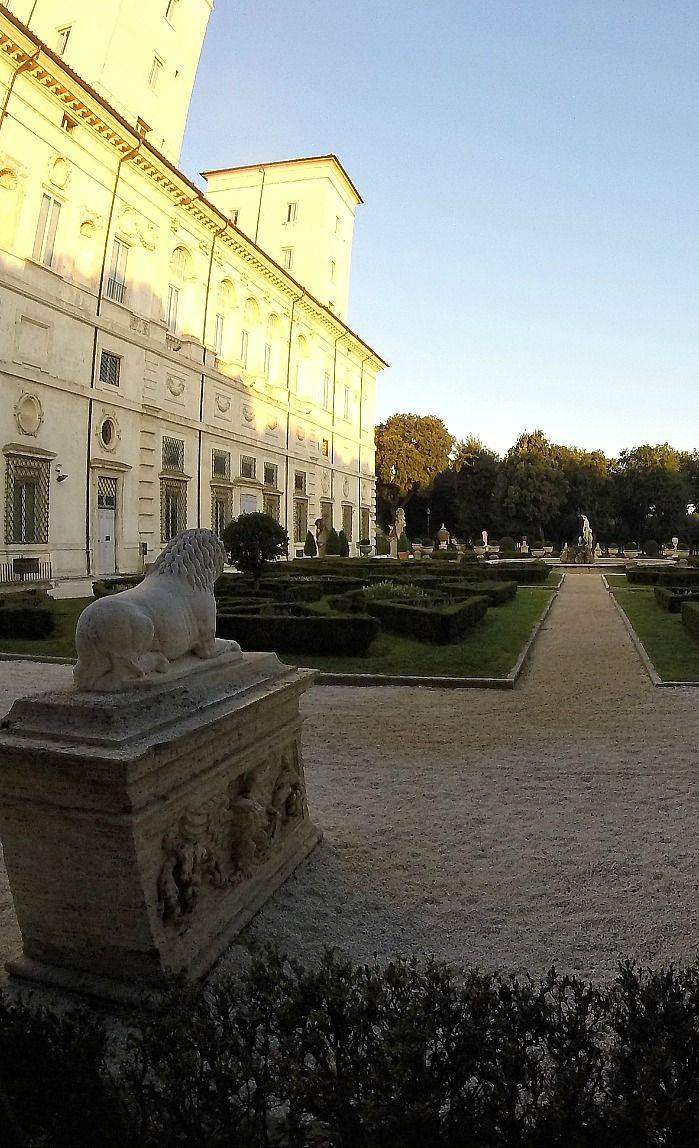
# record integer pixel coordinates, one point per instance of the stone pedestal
(143, 829)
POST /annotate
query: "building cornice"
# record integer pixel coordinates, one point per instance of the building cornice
(19, 44)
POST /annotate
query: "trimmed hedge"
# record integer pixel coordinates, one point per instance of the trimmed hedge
(445, 555)
(524, 573)
(350, 635)
(105, 586)
(26, 622)
(690, 618)
(407, 1055)
(440, 624)
(497, 593)
(672, 598)
(679, 576)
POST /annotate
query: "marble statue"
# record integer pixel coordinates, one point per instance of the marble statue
(124, 638)
(484, 536)
(322, 533)
(395, 532)
(586, 532)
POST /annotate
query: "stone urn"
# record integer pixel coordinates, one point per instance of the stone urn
(631, 551)
(479, 551)
(548, 549)
(442, 537)
(612, 551)
(538, 552)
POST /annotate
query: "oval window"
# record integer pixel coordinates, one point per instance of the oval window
(107, 432)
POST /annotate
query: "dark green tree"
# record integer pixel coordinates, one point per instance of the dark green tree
(253, 540)
(411, 450)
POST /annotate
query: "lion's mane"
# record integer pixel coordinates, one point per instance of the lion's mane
(195, 556)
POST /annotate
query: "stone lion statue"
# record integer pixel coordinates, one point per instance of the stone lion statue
(129, 636)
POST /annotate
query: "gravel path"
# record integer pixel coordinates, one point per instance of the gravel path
(557, 823)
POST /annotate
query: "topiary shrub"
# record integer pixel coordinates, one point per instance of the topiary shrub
(403, 543)
(507, 545)
(690, 618)
(440, 624)
(317, 634)
(332, 543)
(310, 548)
(254, 540)
(651, 548)
(31, 622)
(383, 546)
(344, 544)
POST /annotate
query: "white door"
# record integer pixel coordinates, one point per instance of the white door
(105, 543)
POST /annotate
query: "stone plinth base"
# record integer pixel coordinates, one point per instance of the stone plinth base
(143, 829)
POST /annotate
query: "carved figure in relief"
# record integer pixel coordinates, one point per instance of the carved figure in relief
(223, 842)
(126, 637)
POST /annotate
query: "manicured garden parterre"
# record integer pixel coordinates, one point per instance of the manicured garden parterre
(662, 609)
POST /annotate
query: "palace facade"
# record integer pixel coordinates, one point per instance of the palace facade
(168, 358)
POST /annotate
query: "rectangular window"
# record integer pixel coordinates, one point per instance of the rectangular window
(291, 213)
(270, 506)
(268, 360)
(46, 230)
(287, 258)
(327, 391)
(173, 302)
(173, 508)
(221, 509)
(27, 499)
(248, 466)
(244, 339)
(300, 482)
(173, 453)
(155, 70)
(110, 368)
(218, 335)
(270, 474)
(221, 463)
(347, 520)
(326, 513)
(116, 280)
(346, 408)
(366, 522)
(325, 447)
(300, 519)
(62, 40)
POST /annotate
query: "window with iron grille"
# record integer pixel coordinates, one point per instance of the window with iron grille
(173, 302)
(325, 447)
(106, 492)
(173, 453)
(110, 368)
(326, 513)
(221, 463)
(300, 519)
(221, 509)
(173, 508)
(248, 466)
(366, 522)
(271, 473)
(27, 499)
(300, 482)
(347, 520)
(271, 506)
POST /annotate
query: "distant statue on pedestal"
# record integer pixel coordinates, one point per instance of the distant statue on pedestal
(395, 532)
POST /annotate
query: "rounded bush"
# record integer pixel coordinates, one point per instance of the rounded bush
(651, 548)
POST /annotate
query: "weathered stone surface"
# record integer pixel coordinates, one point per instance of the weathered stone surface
(143, 829)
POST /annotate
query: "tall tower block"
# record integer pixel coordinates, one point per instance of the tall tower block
(140, 55)
(301, 212)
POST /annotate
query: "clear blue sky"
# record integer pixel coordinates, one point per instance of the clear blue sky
(528, 250)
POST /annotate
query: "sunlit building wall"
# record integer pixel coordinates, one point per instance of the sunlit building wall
(158, 369)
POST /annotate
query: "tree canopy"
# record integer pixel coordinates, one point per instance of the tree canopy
(538, 490)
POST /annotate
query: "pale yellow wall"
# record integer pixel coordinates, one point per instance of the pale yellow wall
(322, 196)
(49, 326)
(112, 44)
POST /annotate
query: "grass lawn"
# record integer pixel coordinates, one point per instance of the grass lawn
(489, 651)
(670, 647)
(60, 644)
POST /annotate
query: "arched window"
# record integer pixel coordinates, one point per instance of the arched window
(273, 327)
(226, 296)
(180, 264)
(252, 312)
